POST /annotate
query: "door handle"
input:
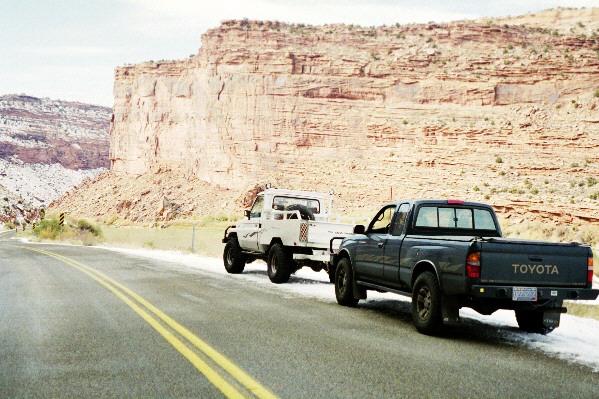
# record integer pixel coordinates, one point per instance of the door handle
(380, 244)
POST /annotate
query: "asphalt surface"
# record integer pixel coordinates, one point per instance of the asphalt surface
(65, 335)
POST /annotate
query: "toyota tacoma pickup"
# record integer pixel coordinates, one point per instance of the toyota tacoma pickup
(289, 230)
(448, 254)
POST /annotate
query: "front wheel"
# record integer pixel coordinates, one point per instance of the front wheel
(344, 289)
(279, 264)
(426, 304)
(233, 258)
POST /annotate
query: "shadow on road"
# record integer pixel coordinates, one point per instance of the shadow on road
(292, 280)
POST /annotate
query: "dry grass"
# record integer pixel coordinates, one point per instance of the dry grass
(178, 238)
(587, 233)
(588, 311)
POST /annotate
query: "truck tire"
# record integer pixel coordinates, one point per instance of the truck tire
(233, 258)
(426, 304)
(532, 321)
(344, 279)
(279, 264)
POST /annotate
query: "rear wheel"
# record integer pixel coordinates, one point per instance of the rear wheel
(426, 304)
(280, 264)
(344, 289)
(233, 258)
(532, 321)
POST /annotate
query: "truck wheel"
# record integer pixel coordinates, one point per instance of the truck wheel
(532, 321)
(426, 304)
(233, 258)
(344, 291)
(279, 264)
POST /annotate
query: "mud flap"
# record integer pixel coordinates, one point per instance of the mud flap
(450, 310)
(359, 291)
(551, 318)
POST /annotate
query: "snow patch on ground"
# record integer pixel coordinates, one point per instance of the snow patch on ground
(576, 340)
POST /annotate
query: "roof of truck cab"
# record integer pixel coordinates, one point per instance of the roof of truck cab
(451, 202)
(296, 193)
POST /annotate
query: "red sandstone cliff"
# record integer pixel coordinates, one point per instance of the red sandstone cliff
(489, 111)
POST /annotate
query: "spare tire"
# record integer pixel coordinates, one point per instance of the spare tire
(305, 213)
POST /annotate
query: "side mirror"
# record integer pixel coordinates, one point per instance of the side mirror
(359, 229)
(246, 213)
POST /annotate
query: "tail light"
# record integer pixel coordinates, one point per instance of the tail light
(473, 265)
(590, 272)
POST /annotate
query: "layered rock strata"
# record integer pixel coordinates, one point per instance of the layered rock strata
(499, 113)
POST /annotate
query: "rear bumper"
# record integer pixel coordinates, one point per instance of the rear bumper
(543, 293)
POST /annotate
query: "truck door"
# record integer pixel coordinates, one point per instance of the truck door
(249, 230)
(370, 253)
(393, 246)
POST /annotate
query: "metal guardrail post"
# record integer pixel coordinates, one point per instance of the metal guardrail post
(193, 239)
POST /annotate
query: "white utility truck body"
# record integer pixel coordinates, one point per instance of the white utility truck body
(290, 228)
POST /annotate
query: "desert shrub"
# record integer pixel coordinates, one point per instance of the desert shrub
(81, 232)
(48, 229)
(83, 225)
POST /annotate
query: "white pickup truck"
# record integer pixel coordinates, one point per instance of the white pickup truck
(288, 229)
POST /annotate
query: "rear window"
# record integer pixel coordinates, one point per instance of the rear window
(447, 217)
(281, 203)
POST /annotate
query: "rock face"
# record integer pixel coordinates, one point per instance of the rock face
(482, 110)
(48, 147)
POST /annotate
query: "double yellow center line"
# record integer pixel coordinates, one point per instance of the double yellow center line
(160, 321)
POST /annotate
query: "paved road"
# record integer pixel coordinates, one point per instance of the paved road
(65, 334)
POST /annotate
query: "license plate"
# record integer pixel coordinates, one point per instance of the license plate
(527, 294)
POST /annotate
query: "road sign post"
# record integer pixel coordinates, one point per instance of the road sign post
(61, 224)
(193, 238)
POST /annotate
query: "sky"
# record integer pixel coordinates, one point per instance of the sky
(68, 49)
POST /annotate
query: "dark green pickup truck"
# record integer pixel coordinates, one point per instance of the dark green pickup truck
(448, 254)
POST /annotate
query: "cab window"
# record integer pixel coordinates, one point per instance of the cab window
(400, 219)
(256, 211)
(382, 221)
(455, 218)
(280, 203)
(483, 220)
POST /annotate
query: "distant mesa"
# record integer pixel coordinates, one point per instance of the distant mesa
(48, 146)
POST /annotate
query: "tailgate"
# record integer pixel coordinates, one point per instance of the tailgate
(320, 233)
(534, 263)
